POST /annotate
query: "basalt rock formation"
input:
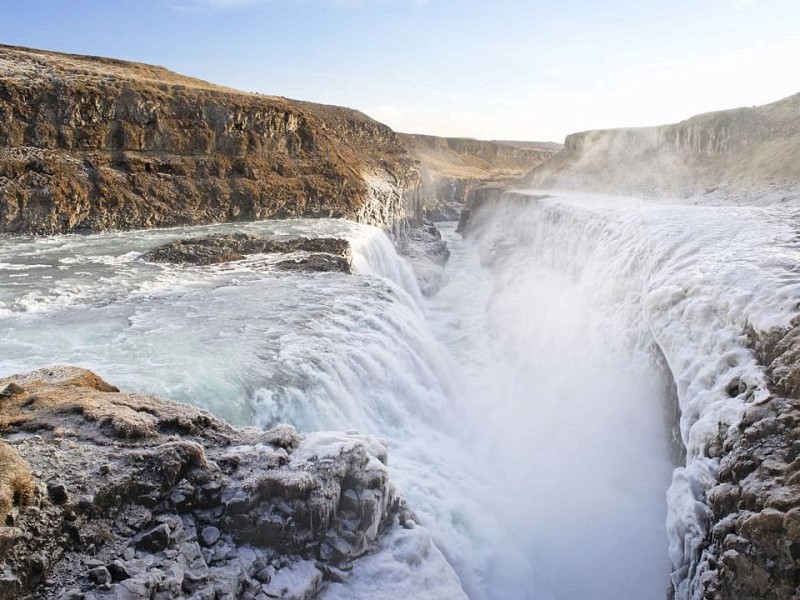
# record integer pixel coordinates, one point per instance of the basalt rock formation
(453, 169)
(743, 154)
(107, 495)
(90, 144)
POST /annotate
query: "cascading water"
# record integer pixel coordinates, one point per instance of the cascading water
(526, 405)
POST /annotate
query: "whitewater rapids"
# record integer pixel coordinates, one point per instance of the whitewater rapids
(530, 406)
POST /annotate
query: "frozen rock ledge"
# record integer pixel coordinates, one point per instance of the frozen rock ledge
(108, 495)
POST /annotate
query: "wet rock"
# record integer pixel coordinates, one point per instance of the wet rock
(308, 254)
(422, 245)
(209, 535)
(258, 503)
(156, 539)
(100, 575)
(317, 263)
(752, 549)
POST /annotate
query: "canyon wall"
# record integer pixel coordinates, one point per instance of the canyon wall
(752, 153)
(452, 169)
(89, 144)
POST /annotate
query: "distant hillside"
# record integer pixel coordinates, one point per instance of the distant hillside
(750, 152)
(90, 143)
(454, 167)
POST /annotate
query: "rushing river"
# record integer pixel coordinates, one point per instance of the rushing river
(530, 405)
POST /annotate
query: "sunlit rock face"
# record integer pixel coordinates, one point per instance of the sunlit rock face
(89, 144)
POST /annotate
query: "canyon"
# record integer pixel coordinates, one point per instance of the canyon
(326, 396)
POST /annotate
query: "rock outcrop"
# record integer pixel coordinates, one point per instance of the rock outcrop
(753, 547)
(90, 144)
(453, 169)
(746, 153)
(124, 496)
(309, 254)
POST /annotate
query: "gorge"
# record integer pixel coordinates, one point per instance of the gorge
(595, 396)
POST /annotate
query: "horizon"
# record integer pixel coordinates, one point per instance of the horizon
(425, 67)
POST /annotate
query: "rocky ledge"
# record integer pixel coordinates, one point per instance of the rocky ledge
(108, 495)
(753, 546)
(308, 254)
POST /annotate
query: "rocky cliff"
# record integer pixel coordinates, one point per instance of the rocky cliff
(751, 153)
(89, 144)
(753, 546)
(107, 495)
(453, 168)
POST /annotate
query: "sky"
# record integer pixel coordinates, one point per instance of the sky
(503, 69)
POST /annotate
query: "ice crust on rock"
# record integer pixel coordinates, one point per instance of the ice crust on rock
(184, 506)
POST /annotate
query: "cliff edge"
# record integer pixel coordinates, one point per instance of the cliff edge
(90, 144)
(746, 153)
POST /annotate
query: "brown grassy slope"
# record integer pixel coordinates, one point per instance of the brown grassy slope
(91, 143)
(751, 150)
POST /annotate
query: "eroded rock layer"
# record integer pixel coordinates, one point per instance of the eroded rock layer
(113, 495)
(89, 144)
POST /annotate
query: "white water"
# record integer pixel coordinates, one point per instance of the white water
(525, 405)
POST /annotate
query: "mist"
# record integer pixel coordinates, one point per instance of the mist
(570, 403)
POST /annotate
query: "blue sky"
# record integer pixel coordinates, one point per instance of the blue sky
(506, 69)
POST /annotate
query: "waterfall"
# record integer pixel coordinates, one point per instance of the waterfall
(528, 406)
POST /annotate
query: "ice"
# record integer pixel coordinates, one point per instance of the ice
(406, 564)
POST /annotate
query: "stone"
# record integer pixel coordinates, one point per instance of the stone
(10, 389)
(99, 575)
(209, 535)
(57, 492)
(154, 540)
(120, 571)
(265, 575)
(17, 485)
